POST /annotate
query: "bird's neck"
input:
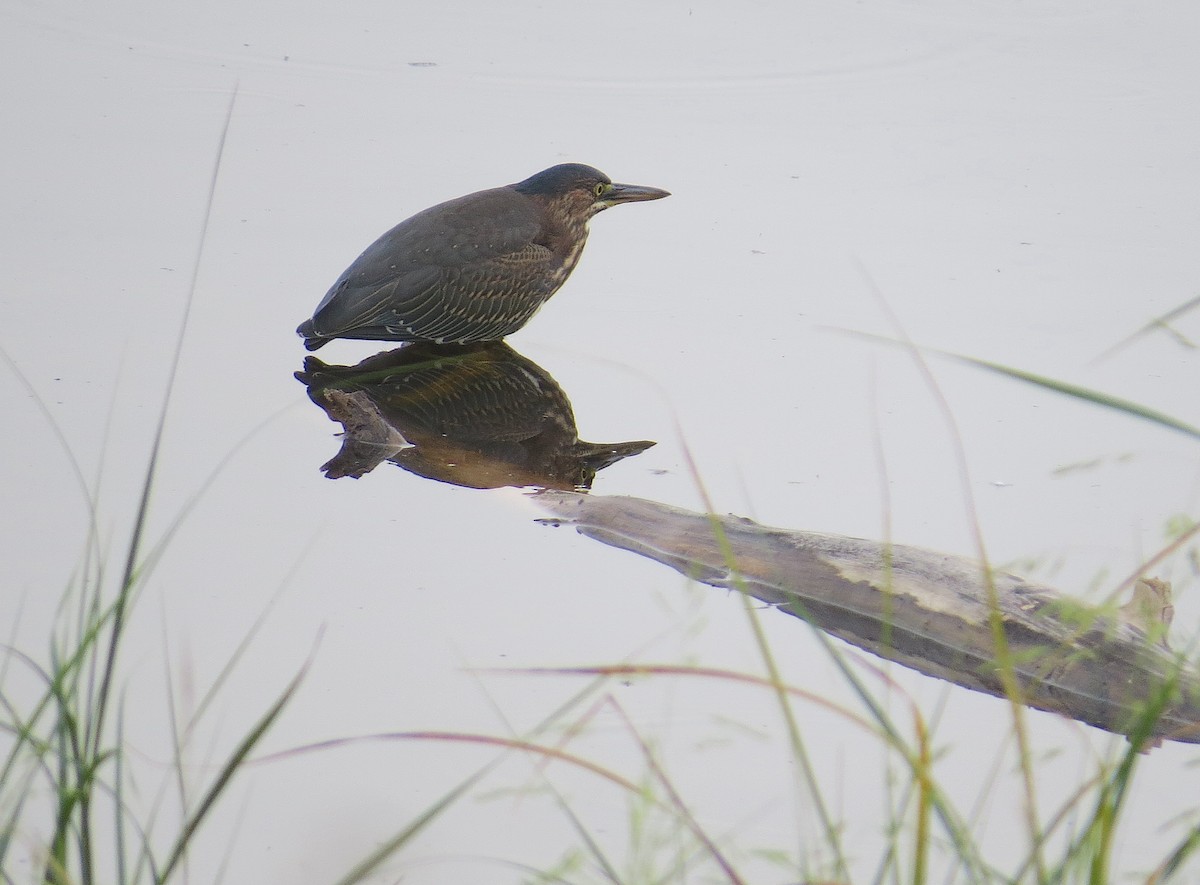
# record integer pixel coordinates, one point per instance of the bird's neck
(566, 237)
(575, 242)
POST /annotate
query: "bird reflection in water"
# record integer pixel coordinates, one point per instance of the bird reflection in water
(475, 415)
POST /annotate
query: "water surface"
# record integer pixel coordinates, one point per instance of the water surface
(1015, 184)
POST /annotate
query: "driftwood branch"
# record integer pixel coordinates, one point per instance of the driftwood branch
(1111, 668)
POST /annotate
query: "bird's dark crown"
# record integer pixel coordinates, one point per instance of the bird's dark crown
(562, 179)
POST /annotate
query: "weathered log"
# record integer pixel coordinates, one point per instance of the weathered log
(927, 610)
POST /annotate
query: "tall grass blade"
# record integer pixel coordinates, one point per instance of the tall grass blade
(225, 775)
(377, 857)
(129, 575)
(831, 831)
(1086, 394)
(1161, 321)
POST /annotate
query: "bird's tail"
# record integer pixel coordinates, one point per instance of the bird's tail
(311, 339)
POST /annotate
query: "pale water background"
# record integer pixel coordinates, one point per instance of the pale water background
(1015, 181)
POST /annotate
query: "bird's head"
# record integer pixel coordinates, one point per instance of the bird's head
(579, 191)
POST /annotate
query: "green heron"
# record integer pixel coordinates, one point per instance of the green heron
(471, 269)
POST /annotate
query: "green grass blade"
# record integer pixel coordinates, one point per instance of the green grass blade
(1162, 321)
(225, 775)
(130, 574)
(377, 857)
(1086, 394)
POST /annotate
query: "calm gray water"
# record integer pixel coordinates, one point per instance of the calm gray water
(1015, 183)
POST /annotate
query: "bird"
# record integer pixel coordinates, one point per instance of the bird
(472, 269)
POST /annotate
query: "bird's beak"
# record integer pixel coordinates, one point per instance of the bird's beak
(631, 193)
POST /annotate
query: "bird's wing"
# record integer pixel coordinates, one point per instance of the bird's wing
(408, 261)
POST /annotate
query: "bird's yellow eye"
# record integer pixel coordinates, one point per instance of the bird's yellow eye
(600, 188)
